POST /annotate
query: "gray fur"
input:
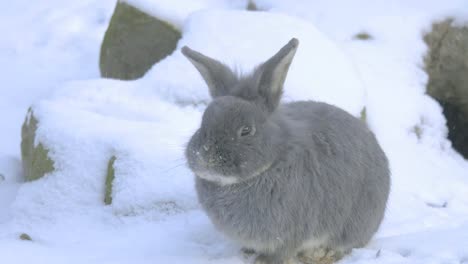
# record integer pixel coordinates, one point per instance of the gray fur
(308, 175)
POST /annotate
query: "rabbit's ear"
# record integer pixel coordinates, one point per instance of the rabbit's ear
(273, 74)
(217, 76)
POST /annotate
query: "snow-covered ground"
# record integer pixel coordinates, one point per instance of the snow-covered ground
(49, 59)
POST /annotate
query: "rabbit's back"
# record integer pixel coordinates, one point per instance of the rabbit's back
(351, 175)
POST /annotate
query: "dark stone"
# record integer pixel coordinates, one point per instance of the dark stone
(251, 6)
(134, 42)
(35, 158)
(457, 124)
(110, 176)
(363, 36)
(25, 237)
(447, 66)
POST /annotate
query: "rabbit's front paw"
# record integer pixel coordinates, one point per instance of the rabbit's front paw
(247, 251)
(319, 256)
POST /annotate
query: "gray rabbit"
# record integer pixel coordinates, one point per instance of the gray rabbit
(302, 179)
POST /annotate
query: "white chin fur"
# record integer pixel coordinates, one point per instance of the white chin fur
(221, 180)
(228, 180)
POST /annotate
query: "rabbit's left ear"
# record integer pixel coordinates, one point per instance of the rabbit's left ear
(219, 78)
(272, 74)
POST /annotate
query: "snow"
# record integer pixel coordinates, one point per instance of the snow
(176, 12)
(44, 43)
(262, 34)
(154, 217)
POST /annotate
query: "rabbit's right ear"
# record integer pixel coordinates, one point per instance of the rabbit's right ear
(217, 76)
(273, 74)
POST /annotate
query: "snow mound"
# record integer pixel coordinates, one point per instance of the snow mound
(176, 11)
(88, 122)
(48, 44)
(320, 70)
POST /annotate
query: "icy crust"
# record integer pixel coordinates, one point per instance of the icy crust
(320, 70)
(87, 123)
(176, 11)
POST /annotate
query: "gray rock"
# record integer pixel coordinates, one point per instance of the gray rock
(110, 176)
(25, 237)
(36, 161)
(362, 36)
(251, 6)
(447, 66)
(134, 41)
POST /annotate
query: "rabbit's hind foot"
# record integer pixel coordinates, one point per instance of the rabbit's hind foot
(319, 256)
(265, 259)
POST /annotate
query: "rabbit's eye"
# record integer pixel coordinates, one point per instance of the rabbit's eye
(246, 131)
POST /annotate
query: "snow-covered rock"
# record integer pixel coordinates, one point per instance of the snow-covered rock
(88, 123)
(177, 11)
(446, 64)
(143, 32)
(36, 161)
(133, 42)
